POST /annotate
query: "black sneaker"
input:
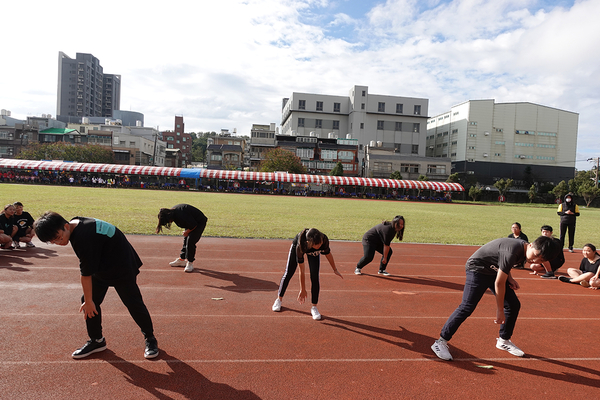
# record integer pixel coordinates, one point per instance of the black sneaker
(91, 346)
(564, 279)
(549, 275)
(151, 348)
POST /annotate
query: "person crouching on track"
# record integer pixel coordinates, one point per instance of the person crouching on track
(379, 238)
(312, 243)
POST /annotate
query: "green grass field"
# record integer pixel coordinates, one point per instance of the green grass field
(262, 216)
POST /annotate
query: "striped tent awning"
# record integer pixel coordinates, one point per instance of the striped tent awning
(195, 173)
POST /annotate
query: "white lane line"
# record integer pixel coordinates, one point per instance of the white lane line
(301, 360)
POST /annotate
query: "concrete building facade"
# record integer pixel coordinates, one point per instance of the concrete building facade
(178, 139)
(83, 88)
(487, 141)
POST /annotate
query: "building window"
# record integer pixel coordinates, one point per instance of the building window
(305, 153)
(328, 154)
(399, 108)
(336, 125)
(318, 123)
(170, 138)
(415, 149)
(398, 127)
(454, 131)
(169, 145)
(362, 106)
(381, 107)
(362, 125)
(345, 155)
(379, 125)
(417, 109)
(436, 169)
(301, 104)
(416, 128)
(319, 106)
(411, 168)
(300, 122)
(336, 107)
(364, 93)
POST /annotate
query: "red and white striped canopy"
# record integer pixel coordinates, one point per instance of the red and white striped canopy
(228, 175)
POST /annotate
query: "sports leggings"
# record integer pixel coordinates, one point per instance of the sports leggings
(314, 263)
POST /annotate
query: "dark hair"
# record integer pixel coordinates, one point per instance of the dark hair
(165, 217)
(395, 221)
(314, 236)
(517, 224)
(591, 246)
(546, 228)
(48, 225)
(568, 195)
(17, 203)
(549, 247)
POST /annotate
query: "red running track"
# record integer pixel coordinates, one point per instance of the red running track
(219, 338)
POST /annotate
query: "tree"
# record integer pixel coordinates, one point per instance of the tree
(532, 193)
(338, 170)
(475, 192)
(453, 178)
(423, 178)
(199, 145)
(589, 192)
(85, 153)
(279, 159)
(396, 175)
(560, 190)
(503, 186)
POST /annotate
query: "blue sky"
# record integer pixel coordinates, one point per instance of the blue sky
(228, 63)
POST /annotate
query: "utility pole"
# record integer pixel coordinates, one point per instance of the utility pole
(597, 160)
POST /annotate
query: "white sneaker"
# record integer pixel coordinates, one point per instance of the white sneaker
(510, 347)
(357, 271)
(315, 313)
(177, 263)
(30, 244)
(440, 348)
(189, 267)
(277, 305)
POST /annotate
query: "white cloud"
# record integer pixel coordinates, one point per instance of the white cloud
(228, 63)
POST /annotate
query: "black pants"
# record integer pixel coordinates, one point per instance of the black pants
(475, 287)
(188, 251)
(369, 250)
(563, 230)
(130, 295)
(314, 265)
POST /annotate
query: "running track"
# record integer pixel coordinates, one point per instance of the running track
(219, 338)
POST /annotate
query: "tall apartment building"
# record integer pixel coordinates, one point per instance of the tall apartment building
(83, 88)
(262, 139)
(178, 139)
(520, 141)
(384, 121)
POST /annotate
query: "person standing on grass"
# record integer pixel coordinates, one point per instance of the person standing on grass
(8, 229)
(587, 274)
(24, 222)
(106, 258)
(490, 268)
(312, 243)
(378, 239)
(193, 221)
(568, 212)
(548, 267)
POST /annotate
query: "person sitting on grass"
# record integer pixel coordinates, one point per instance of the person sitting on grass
(548, 267)
(588, 269)
(106, 258)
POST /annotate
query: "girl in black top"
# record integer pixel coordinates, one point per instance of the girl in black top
(568, 212)
(378, 238)
(312, 243)
(193, 221)
(588, 269)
